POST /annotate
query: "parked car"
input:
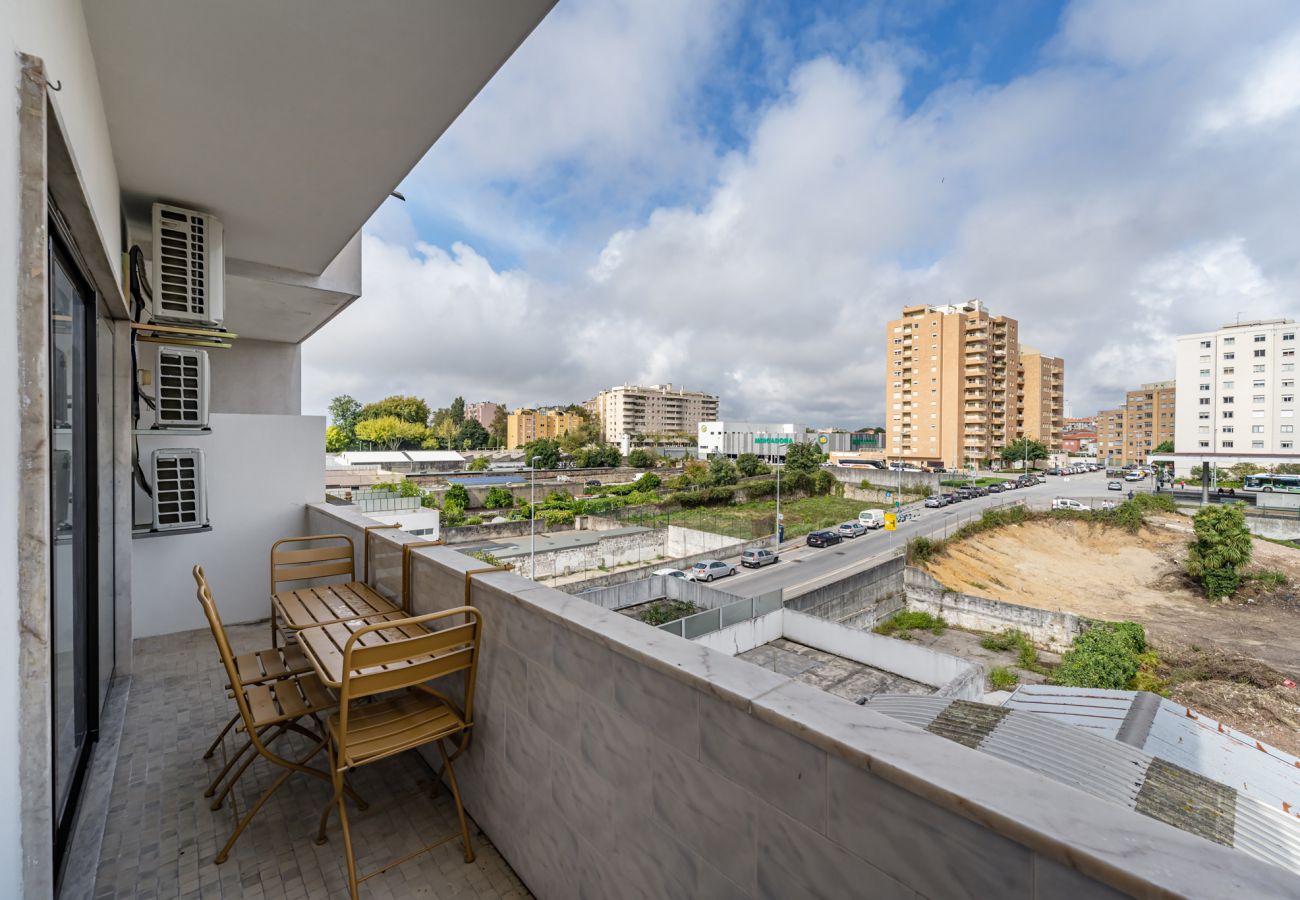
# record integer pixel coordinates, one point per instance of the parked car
(981, 491)
(996, 489)
(1134, 476)
(823, 538)
(872, 518)
(669, 573)
(1010, 485)
(1067, 503)
(935, 502)
(1114, 486)
(753, 559)
(965, 493)
(710, 569)
(953, 497)
(594, 482)
(1053, 472)
(852, 529)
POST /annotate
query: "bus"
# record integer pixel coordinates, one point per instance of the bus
(1270, 483)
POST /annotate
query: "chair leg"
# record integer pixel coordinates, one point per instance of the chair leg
(230, 783)
(248, 816)
(460, 808)
(217, 743)
(212, 788)
(347, 834)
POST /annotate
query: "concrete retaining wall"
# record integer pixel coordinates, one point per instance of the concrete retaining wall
(1047, 628)
(860, 600)
(464, 534)
(885, 478)
(690, 541)
(610, 756)
(682, 562)
(617, 550)
(657, 587)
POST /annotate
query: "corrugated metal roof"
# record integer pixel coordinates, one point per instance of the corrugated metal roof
(372, 456)
(1084, 758)
(1101, 712)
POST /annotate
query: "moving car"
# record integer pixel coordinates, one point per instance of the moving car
(669, 573)
(852, 529)
(1114, 486)
(823, 538)
(1067, 503)
(710, 569)
(753, 559)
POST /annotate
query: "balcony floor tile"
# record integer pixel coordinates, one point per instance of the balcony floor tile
(160, 838)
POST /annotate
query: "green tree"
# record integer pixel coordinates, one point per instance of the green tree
(1016, 450)
(542, 453)
(1287, 469)
(390, 432)
(344, 413)
(498, 429)
(647, 482)
(722, 471)
(479, 464)
(453, 513)
(471, 435)
(801, 457)
(750, 465)
(408, 409)
(1164, 447)
(499, 498)
(457, 410)
(1221, 549)
(336, 439)
(696, 472)
(641, 459)
(1241, 470)
(458, 494)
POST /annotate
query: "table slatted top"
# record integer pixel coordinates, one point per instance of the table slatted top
(324, 644)
(309, 607)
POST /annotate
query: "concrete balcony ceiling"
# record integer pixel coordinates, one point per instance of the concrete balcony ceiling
(290, 121)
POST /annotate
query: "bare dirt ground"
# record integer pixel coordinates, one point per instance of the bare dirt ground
(1226, 659)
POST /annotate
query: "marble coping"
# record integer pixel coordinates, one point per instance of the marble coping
(1128, 851)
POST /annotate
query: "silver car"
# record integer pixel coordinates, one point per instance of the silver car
(753, 559)
(852, 529)
(710, 569)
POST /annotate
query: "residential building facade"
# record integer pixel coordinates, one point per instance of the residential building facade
(954, 391)
(1081, 423)
(1148, 420)
(1044, 387)
(485, 413)
(1236, 392)
(525, 425)
(1110, 436)
(656, 409)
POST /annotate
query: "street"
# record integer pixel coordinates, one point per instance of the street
(802, 568)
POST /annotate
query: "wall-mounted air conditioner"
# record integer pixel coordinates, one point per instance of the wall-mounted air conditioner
(181, 387)
(189, 269)
(180, 491)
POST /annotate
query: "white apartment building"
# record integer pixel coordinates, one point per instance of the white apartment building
(1236, 399)
(657, 409)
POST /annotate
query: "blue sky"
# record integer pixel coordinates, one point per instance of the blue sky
(737, 195)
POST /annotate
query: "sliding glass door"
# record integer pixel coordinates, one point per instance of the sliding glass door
(74, 515)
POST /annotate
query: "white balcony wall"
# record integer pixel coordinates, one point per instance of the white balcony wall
(262, 470)
(263, 377)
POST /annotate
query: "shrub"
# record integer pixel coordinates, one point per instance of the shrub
(486, 557)
(912, 620)
(647, 482)
(920, 550)
(1017, 641)
(759, 489)
(556, 517)
(498, 497)
(453, 512)
(479, 464)
(1221, 549)
(1269, 577)
(641, 459)
(458, 493)
(1002, 678)
(473, 520)
(1105, 656)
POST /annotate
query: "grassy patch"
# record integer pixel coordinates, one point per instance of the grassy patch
(911, 620)
(486, 557)
(1002, 678)
(1017, 642)
(1268, 577)
(757, 518)
(665, 611)
(979, 482)
(1284, 543)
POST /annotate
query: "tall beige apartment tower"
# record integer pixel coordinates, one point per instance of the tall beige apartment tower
(953, 391)
(1148, 419)
(1044, 380)
(656, 409)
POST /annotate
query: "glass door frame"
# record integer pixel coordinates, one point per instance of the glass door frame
(85, 566)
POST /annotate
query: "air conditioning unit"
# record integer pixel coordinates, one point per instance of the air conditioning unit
(180, 491)
(189, 270)
(181, 387)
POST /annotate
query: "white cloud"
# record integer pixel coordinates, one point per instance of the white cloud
(1084, 199)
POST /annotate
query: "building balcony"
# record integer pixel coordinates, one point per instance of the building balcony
(611, 759)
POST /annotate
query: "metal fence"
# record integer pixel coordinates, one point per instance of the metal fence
(711, 620)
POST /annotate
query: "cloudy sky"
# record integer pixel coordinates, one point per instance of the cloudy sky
(735, 196)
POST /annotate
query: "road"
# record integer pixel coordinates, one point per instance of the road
(802, 568)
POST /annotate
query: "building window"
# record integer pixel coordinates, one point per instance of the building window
(1226, 443)
(1203, 415)
(1285, 445)
(1205, 401)
(1228, 370)
(1228, 399)
(1206, 344)
(1258, 383)
(1205, 373)
(1257, 429)
(1288, 398)
(1259, 353)
(1229, 355)
(1204, 443)
(1257, 445)
(1259, 339)
(1228, 429)
(1257, 398)
(1288, 336)
(1287, 429)
(1229, 341)
(1228, 414)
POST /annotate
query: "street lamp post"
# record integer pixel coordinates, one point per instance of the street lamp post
(777, 536)
(532, 521)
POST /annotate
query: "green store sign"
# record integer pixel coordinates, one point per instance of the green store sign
(773, 440)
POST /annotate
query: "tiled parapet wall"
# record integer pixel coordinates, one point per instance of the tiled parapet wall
(611, 759)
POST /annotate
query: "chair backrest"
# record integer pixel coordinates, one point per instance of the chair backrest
(333, 557)
(223, 645)
(374, 663)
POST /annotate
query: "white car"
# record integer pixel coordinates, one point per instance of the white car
(1067, 503)
(1134, 476)
(669, 573)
